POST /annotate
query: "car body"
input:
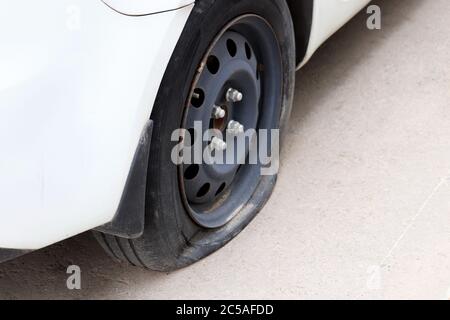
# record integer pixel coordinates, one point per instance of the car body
(77, 84)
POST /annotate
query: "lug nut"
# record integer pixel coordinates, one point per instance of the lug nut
(218, 144)
(234, 95)
(218, 113)
(235, 127)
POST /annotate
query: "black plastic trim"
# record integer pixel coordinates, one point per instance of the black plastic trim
(130, 217)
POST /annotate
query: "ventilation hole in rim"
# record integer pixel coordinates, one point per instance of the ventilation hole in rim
(213, 64)
(191, 172)
(198, 97)
(232, 48)
(248, 51)
(221, 188)
(203, 190)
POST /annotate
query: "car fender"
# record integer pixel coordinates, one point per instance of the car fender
(77, 86)
(328, 17)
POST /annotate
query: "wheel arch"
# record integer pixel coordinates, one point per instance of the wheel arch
(302, 16)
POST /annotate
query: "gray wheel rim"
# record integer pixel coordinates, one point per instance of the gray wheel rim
(245, 56)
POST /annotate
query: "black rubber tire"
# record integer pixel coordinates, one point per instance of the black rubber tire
(171, 239)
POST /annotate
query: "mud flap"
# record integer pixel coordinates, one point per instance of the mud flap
(130, 217)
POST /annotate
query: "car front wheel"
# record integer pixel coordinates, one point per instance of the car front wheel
(233, 69)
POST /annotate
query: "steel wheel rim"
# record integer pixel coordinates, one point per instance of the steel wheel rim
(244, 56)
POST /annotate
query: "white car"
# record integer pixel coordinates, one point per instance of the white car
(91, 93)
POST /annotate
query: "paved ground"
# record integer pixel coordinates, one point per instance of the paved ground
(362, 208)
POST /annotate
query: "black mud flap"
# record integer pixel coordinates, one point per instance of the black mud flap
(130, 217)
